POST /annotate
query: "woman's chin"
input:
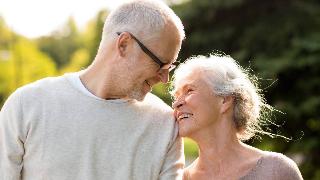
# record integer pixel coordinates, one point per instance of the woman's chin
(183, 132)
(184, 128)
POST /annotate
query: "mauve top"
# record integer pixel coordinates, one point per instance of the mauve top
(271, 166)
(274, 166)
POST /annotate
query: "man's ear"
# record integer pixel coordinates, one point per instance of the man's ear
(122, 43)
(227, 103)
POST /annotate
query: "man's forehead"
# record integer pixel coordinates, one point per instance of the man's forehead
(168, 56)
(169, 45)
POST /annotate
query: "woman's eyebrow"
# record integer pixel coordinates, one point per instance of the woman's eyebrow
(176, 92)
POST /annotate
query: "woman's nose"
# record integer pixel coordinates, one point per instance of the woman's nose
(177, 103)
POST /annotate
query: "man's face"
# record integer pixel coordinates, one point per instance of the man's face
(145, 72)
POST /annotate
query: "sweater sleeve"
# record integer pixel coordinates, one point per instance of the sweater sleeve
(172, 168)
(11, 139)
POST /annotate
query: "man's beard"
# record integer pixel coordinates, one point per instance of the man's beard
(137, 93)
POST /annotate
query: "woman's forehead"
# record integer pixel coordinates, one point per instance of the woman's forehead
(191, 80)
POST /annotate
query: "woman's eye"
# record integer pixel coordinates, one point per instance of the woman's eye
(189, 90)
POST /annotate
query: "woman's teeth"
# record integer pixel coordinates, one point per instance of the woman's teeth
(183, 116)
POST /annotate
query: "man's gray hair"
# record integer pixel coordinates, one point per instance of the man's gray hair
(143, 18)
(226, 78)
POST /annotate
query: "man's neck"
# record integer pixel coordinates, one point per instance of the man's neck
(100, 82)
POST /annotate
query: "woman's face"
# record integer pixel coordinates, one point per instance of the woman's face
(196, 107)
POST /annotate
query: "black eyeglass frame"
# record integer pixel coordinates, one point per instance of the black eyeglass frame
(151, 55)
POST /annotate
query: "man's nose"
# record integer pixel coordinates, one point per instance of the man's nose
(164, 75)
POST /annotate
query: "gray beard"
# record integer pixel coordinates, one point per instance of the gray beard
(137, 94)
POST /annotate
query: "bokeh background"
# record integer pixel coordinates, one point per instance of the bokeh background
(278, 40)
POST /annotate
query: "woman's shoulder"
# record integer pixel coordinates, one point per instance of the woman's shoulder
(280, 166)
(279, 159)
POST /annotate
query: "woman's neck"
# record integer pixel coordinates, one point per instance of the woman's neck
(221, 154)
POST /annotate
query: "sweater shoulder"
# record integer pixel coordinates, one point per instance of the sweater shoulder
(154, 102)
(157, 110)
(34, 89)
(45, 83)
(41, 90)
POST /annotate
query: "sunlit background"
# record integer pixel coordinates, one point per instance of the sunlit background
(34, 18)
(278, 40)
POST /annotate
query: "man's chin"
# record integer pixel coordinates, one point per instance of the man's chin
(139, 96)
(140, 99)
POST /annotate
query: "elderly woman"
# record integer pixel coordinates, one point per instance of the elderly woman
(218, 105)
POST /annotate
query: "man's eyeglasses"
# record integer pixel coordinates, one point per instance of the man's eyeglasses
(162, 65)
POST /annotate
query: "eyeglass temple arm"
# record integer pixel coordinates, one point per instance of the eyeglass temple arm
(147, 51)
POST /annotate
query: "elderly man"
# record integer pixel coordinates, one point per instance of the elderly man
(102, 122)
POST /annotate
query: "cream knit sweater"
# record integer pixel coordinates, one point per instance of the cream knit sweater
(50, 130)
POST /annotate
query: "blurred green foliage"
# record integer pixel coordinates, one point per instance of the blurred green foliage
(21, 62)
(278, 40)
(190, 148)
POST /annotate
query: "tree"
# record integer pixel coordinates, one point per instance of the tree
(93, 33)
(62, 43)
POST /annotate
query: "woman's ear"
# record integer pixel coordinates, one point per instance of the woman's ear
(227, 103)
(122, 43)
